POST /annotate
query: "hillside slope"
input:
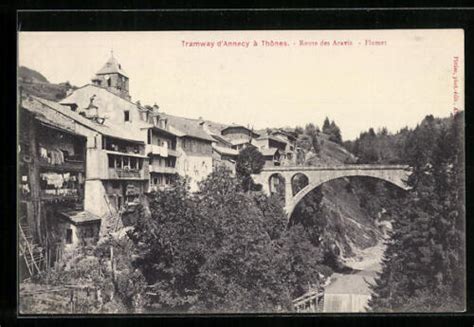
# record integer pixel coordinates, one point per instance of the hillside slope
(36, 84)
(352, 207)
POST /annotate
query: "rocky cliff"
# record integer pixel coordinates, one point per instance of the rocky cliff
(356, 211)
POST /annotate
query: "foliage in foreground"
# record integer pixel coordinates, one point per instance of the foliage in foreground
(250, 161)
(221, 250)
(97, 287)
(424, 267)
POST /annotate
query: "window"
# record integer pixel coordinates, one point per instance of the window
(134, 163)
(109, 82)
(88, 232)
(118, 162)
(126, 115)
(111, 161)
(68, 236)
(119, 202)
(170, 162)
(126, 162)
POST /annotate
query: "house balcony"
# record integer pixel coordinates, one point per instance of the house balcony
(161, 187)
(67, 165)
(64, 193)
(163, 170)
(162, 151)
(123, 173)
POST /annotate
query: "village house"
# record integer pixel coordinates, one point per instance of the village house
(91, 157)
(291, 149)
(239, 136)
(81, 171)
(52, 172)
(161, 149)
(194, 147)
(223, 155)
(174, 145)
(272, 148)
(272, 156)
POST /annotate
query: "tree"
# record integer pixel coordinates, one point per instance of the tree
(250, 161)
(167, 233)
(331, 129)
(326, 126)
(335, 133)
(311, 135)
(220, 250)
(245, 265)
(299, 130)
(423, 268)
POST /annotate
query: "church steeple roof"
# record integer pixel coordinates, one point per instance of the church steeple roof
(112, 67)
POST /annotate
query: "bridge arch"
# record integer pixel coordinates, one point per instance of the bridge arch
(276, 184)
(293, 202)
(298, 182)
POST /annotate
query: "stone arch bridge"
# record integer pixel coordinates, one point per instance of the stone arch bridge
(316, 176)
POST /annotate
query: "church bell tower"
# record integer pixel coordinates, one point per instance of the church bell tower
(112, 77)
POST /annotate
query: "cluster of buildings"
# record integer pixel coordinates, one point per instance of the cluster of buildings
(95, 153)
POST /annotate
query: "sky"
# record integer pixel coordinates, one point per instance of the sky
(358, 78)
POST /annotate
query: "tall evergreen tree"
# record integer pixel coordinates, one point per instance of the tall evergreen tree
(423, 267)
(326, 126)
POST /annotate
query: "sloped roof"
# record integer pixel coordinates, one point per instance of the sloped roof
(285, 133)
(49, 110)
(82, 95)
(227, 151)
(170, 130)
(274, 138)
(80, 217)
(236, 126)
(268, 151)
(215, 128)
(221, 139)
(179, 126)
(188, 127)
(240, 141)
(112, 67)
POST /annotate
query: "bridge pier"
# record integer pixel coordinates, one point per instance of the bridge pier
(288, 191)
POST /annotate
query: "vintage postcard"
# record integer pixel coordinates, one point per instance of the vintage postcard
(217, 172)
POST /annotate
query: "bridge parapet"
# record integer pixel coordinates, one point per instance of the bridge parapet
(335, 167)
(317, 175)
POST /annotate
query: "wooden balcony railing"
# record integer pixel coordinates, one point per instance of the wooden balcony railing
(67, 165)
(116, 173)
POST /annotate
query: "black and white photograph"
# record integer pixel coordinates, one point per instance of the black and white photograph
(241, 172)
